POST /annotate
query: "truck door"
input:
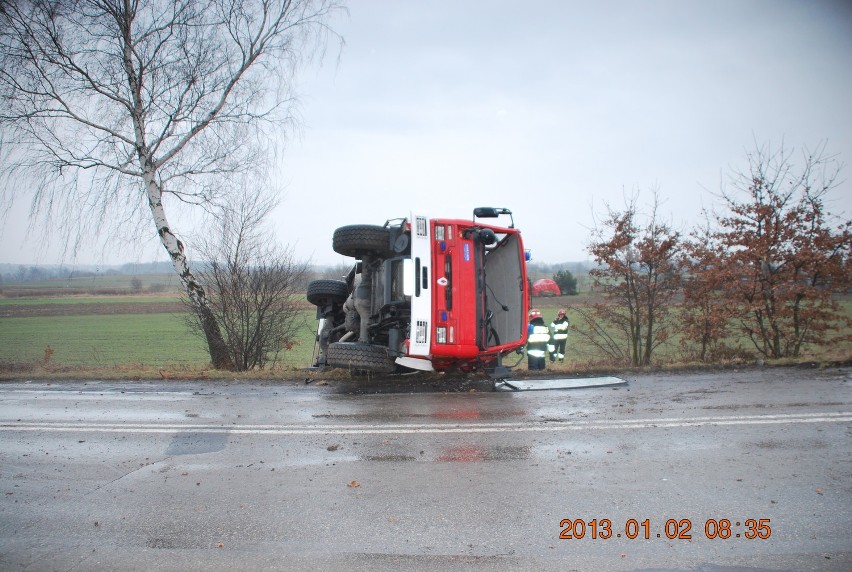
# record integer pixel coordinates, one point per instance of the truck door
(418, 278)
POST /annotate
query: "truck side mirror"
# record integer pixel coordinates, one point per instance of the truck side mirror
(491, 212)
(485, 212)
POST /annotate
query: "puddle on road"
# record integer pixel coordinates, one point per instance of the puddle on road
(197, 443)
(466, 453)
(443, 407)
(389, 458)
(446, 414)
(476, 453)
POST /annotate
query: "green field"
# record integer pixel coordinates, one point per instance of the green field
(146, 339)
(148, 333)
(139, 340)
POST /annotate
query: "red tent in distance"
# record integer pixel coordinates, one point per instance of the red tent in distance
(545, 287)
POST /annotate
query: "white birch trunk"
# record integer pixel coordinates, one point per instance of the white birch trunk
(219, 354)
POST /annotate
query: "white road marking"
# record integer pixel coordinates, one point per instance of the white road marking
(411, 428)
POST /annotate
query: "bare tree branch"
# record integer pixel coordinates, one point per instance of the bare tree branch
(255, 286)
(151, 98)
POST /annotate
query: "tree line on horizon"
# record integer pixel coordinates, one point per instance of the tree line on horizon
(19, 273)
(766, 268)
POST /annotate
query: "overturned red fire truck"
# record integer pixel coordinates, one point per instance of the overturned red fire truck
(424, 294)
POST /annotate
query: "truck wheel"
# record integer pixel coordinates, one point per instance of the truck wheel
(322, 292)
(360, 356)
(360, 239)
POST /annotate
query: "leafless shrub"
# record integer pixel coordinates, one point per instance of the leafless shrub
(254, 285)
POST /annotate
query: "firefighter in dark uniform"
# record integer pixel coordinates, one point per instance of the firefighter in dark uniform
(558, 336)
(538, 336)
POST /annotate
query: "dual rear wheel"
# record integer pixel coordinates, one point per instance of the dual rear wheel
(357, 240)
(359, 356)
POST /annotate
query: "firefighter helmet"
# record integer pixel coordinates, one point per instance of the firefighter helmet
(534, 314)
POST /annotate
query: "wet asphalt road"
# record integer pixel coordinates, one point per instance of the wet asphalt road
(210, 476)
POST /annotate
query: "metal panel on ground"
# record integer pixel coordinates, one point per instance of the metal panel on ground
(573, 383)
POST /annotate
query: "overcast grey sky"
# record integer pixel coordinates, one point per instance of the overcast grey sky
(552, 109)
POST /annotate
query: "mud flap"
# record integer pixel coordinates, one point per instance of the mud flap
(572, 383)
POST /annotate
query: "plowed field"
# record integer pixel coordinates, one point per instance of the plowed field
(100, 308)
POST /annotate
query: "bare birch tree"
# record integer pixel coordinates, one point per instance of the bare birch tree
(116, 107)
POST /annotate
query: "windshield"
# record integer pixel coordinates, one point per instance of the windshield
(503, 320)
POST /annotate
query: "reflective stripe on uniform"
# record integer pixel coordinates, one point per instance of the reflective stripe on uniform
(539, 334)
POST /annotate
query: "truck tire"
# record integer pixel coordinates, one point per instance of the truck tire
(360, 239)
(360, 357)
(323, 292)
